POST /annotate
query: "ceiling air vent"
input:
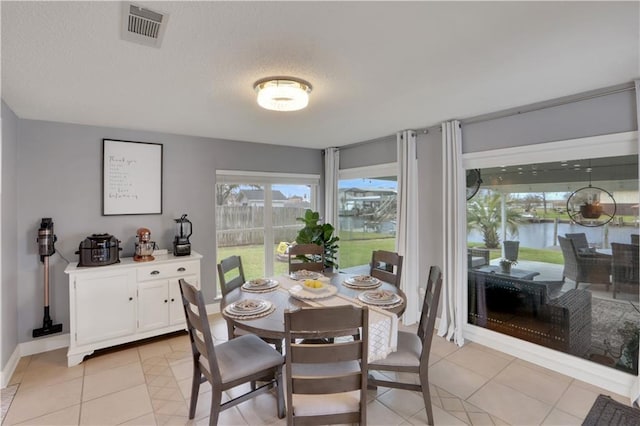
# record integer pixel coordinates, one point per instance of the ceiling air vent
(143, 26)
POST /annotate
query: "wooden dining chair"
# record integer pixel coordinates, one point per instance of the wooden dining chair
(306, 256)
(245, 359)
(386, 266)
(412, 355)
(326, 382)
(233, 265)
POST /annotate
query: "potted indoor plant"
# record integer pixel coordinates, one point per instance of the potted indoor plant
(321, 234)
(506, 264)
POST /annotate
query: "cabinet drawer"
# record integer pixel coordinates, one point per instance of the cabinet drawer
(178, 269)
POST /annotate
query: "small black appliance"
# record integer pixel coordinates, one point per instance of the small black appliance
(181, 244)
(46, 240)
(99, 250)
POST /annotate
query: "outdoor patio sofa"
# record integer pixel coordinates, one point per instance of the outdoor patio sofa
(535, 311)
(477, 257)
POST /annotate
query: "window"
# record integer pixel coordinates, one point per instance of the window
(544, 271)
(367, 212)
(256, 216)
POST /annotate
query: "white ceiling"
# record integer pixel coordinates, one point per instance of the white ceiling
(376, 68)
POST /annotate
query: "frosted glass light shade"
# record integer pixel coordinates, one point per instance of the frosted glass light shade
(283, 94)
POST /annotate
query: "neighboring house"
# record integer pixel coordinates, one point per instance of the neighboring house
(357, 201)
(255, 197)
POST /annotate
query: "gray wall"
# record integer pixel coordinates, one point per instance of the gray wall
(430, 201)
(378, 151)
(592, 117)
(59, 172)
(9, 260)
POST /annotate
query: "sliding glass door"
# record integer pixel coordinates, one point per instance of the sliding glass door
(256, 217)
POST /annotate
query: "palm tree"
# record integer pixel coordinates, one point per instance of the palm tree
(484, 214)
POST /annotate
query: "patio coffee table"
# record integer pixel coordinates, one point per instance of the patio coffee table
(515, 273)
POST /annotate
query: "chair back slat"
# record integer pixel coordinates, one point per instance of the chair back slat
(306, 256)
(386, 266)
(326, 385)
(309, 320)
(319, 352)
(229, 282)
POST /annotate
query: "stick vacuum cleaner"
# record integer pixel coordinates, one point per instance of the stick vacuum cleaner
(46, 240)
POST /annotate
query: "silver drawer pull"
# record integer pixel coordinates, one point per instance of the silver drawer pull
(181, 269)
(155, 272)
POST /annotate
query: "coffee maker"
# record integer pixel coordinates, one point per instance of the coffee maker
(144, 246)
(181, 244)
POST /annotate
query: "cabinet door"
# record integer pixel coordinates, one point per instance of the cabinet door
(105, 306)
(153, 305)
(176, 311)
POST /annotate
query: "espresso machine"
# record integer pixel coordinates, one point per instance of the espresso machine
(144, 246)
(46, 240)
(181, 244)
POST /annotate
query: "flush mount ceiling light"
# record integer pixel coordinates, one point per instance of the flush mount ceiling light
(282, 93)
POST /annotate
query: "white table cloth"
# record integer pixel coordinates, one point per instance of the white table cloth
(383, 325)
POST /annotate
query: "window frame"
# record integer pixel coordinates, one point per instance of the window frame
(267, 179)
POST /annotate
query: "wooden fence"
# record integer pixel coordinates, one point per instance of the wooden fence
(244, 225)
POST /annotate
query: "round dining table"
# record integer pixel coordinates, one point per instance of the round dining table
(272, 325)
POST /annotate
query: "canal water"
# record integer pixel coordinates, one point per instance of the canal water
(541, 235)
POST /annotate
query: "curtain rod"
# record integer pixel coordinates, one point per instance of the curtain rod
(551, 103)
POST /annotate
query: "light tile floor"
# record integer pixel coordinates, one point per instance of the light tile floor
(149, 384)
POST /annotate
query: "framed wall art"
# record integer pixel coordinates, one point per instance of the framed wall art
(131, 177)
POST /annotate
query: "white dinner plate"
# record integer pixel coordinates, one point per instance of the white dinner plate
(303, 274)
(260, 284)
(362, 282)
(248, 307)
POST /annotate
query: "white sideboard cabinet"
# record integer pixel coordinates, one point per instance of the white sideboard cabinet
(115, 304)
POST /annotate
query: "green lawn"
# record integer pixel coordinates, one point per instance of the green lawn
(358, 252)
(526, 253)
(352, 253)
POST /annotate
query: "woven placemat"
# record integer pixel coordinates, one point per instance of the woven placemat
(252, 290)
(357, 287)
(250, 317)
(608, 412)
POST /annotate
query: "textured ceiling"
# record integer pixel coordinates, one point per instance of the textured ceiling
(376, 68)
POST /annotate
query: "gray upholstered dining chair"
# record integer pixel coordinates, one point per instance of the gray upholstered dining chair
(313, 257)
(326, 380)
(245, 359)
(386, 266)
(412, 355)
(233, 265)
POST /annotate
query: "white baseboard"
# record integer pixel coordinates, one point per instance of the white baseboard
(10, 368)
(36, 346)
(44, 344)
